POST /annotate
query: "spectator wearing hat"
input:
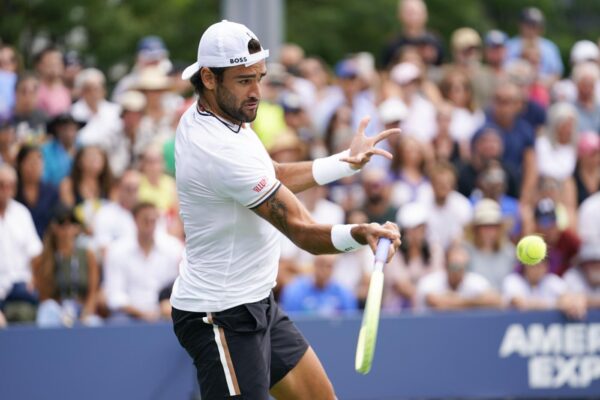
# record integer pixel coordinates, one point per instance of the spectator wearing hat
(8, 142)
(40, 197)
(412, 15)
(586, 177)
(518, 136)
(128, 148)
(58, 152)
(392, 112)
(445, 147)
(491, 253)
(19, 245)
(420, 121)
(101, 116)
(494, 52)
(416, 258)
(531, 28)
(555, 149)
(28, 118)
(66, 274)
(563, 244)
(53, 97)
(449, 211)
(318, 294)
(151, 52)
(584, 279)
(455, 287)
(586, 76)
(467, 56)
(583, 51)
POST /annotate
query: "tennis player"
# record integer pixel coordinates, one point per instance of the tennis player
(233, 200)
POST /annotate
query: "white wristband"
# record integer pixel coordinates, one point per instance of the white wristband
(342, 239)
(329, 169)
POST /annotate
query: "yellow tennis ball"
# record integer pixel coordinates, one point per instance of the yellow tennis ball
(531, 250)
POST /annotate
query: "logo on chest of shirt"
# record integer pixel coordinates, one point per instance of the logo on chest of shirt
(261, 184)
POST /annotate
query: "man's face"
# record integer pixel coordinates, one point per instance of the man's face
(128, 189)
(489, 146)
(323, 269)
(535, 273)
(495, 55)
(507, 101)
(66, 133)
(443, 183)
(457, 262)
(146, 221)
(238, 95)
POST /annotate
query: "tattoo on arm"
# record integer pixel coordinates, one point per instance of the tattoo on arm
(278, 213)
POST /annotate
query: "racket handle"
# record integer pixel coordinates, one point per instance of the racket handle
(383, 247)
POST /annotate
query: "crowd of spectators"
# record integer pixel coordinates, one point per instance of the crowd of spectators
(497, 142)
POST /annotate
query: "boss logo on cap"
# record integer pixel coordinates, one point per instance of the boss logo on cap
(237, 60)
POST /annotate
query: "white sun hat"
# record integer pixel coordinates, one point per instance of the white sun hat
(225, 44)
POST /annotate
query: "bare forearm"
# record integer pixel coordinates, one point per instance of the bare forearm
(296, 176)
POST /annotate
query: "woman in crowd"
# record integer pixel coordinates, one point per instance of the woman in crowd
(66, 275)
(586, 177)
(39, 197)
(408, 168)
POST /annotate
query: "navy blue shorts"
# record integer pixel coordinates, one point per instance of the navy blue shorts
(241, 352)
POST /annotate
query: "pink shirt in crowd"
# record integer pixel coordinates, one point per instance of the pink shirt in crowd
(54, 100)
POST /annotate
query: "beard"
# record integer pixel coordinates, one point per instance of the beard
(228, 104)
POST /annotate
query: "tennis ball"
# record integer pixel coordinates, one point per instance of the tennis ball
(531, 250)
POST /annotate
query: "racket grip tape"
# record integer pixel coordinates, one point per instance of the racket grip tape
(383, 248)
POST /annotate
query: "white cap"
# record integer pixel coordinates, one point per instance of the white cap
(404, 73)
(392, 110)
(411, 215)
(487, 212)
(225, 44)
(584, 50)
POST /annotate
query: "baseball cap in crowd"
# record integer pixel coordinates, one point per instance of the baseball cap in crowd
(411, 215)
(464, 38)
(495, 38)
(589, 251)
(225, 44)
(584, 50)
(404, 73)
(487, 212)
(392, 110)
(152, 48)
(531, 16)
(545, 212)
(291, 102)
(589, 143)
(132, 100)
(346, 69)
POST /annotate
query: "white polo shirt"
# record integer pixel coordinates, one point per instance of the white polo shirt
(232, 254)
(472, 285)
(550, 288)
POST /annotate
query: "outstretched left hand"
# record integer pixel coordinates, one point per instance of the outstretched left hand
(362, 147)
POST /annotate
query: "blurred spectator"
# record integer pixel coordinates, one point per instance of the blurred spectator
(316, 72)
(449, 210)
(100, 115)
(66, 275)
(429, 74)
(378, 189)
(88, 185)
(287, 147)
(583, 51)
(584, 279)
(589, 219)
(127, 147)
(318, 294)
(40, 198)
(467, 117)
(138, 268)
(298, 121)
(29, 120)
(586, 177)
(517, 135)
(157, 187)
(455, 288)
(556, 147)
(420, 121)
(537, 89)
(60, 149)
(10, 59)
(412, 15)
(151, 52)
(8, 77)
(531, 28)
(19, 244)
(491, 253)
(409, 171)
(538, 289)
(415, 259)
(586, 76)
(466, 56)
(114, 220)
(339, 132)
(445, 147)
(54, 97)
(8, 143)
(494, 53)
(563, 244)
(566, 213)
(522, 74)
(73, 67)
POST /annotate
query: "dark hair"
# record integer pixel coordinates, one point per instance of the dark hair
(196, 80)
(50, 49)
(25, 76)
(104, 179)
(141, 206)
(21, 156)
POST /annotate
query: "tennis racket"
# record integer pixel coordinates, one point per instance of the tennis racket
(367, 337)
